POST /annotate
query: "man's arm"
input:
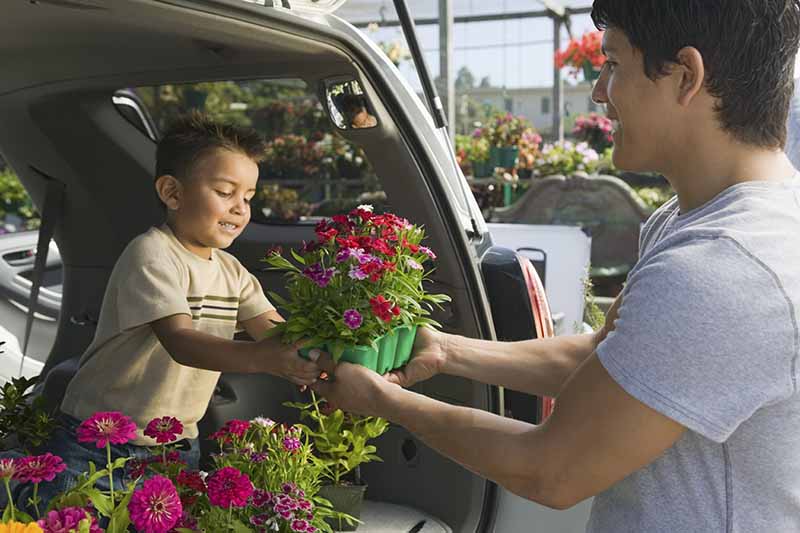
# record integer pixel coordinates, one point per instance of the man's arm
(597, 435)
(538, 366)
(197, 349)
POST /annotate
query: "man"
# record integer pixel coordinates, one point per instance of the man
(682, 414)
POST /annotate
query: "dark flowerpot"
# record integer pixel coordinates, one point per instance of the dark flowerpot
(525, 173)
(482, 169)
(346, 499)
(503, 156)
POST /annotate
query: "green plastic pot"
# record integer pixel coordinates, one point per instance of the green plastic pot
(394, 351)
(347, 499)
(482, 169)
(503, 156)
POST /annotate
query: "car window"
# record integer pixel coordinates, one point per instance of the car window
(310, 170)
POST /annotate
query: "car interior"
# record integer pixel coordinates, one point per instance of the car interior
(63, 120)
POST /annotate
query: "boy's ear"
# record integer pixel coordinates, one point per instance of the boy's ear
(170, 190)
(693, 74)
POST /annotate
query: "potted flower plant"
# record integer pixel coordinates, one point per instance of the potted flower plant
(596, 130)
(340, 447)
(474, 151)
(583, 55)
(504, 133)
(357, 291)
(566, 158)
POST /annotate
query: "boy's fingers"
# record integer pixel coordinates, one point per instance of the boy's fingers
(321, 387)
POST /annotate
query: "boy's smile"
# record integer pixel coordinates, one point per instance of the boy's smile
(213, 204)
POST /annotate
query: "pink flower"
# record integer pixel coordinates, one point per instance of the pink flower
(301, 526)
(427, 251)
(156, 507)
(67, 520)
(191, 480)
(106, 427)
(413, 264)
(8, 467)
(186, 521)
(38, 468)
(262, 498)
(353, 319)
(164, 429)
(229, 487)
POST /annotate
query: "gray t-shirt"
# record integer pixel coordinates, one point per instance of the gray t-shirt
(707, 335)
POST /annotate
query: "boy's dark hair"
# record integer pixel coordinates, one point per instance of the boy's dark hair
(748, 49)
(193, 136)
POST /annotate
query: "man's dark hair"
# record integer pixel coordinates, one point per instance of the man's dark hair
(193, 136)
(748, 49)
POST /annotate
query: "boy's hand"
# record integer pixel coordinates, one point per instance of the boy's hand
(284, 361)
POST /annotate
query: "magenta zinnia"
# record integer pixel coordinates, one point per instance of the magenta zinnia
(106, 427)
(67, 520)
(156, 507)
(229, 487)
(38, 468)
(163, 430)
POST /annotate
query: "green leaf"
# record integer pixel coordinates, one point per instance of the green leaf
(297, 257)
(7, 514)
(100, 501)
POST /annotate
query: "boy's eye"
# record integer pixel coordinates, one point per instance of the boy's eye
(224, 194)
(247, 200)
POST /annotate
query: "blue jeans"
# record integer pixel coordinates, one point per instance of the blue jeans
(77, 455)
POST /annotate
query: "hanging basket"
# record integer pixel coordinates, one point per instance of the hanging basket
(590, 73)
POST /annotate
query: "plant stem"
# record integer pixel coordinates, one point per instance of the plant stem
(111, 485)
(316, 409)
(230, 516)
(10, 499)
(36, 499)
(164, 455)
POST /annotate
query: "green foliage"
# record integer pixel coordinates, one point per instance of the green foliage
(654, 197)
(340, 439)
(23, 417)
(472, 148)
(390, 246)
(505, 129)
(566, 158)
(14, 200)
(593, 315)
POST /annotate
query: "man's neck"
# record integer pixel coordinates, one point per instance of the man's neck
(707, 169)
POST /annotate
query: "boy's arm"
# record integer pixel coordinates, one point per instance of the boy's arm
(257, 326)
(190, 347)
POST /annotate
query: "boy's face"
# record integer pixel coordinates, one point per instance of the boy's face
(641, 108)
(213, 204)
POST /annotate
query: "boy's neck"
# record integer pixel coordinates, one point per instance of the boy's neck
(203, 252)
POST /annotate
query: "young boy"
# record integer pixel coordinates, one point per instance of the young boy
(683, 413)
(173, 303)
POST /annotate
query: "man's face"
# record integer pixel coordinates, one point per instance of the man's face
(641, 108)
(214, 204)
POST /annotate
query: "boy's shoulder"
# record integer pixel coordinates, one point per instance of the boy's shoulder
(151, 245)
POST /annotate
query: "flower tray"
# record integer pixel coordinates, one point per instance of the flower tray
(394, 351)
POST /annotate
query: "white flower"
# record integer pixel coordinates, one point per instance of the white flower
(359, 160)
(263, 422)
(372, 27)
(365, 207)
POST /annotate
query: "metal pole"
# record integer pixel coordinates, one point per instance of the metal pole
(447, 88)
(558, 86)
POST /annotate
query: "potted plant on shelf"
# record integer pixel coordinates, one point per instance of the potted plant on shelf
(473, 150)
(583, 55)
(340, 448)
(357, 291)
(504, 133)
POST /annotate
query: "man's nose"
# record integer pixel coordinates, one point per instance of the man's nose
(599, 94)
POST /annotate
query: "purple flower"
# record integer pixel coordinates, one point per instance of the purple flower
(357, 273)
(262, 498)
(291, 444)
(476, 133)
(38, 468)
(259, 457)
(427, 251)
(319, 275)
(68, 519)
(301, 526)
(353, 319)
(155, 507)
(413, 264)
(288, 488)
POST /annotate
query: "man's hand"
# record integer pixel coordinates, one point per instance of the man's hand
(283, 360)
(353, 388)
(428, 359)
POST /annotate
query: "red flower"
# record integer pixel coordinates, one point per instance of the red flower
(383, 309)
(191, 480)
(413, 248)
(348, 242)
(326, 236)
(164, 429)
(229, 487)
(381, 246)
(363, 214)
(232, 428)
(342, 221)
(389, 234)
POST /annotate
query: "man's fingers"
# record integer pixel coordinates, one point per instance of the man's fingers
(321, 387)
(325, 362)
(397, 377)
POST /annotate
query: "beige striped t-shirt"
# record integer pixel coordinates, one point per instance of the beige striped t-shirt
(126, 368)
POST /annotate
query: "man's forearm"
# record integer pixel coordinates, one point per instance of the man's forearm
(536, 367)
(496, 448)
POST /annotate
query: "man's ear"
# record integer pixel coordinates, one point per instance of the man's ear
(170, 190)
(692, 74)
